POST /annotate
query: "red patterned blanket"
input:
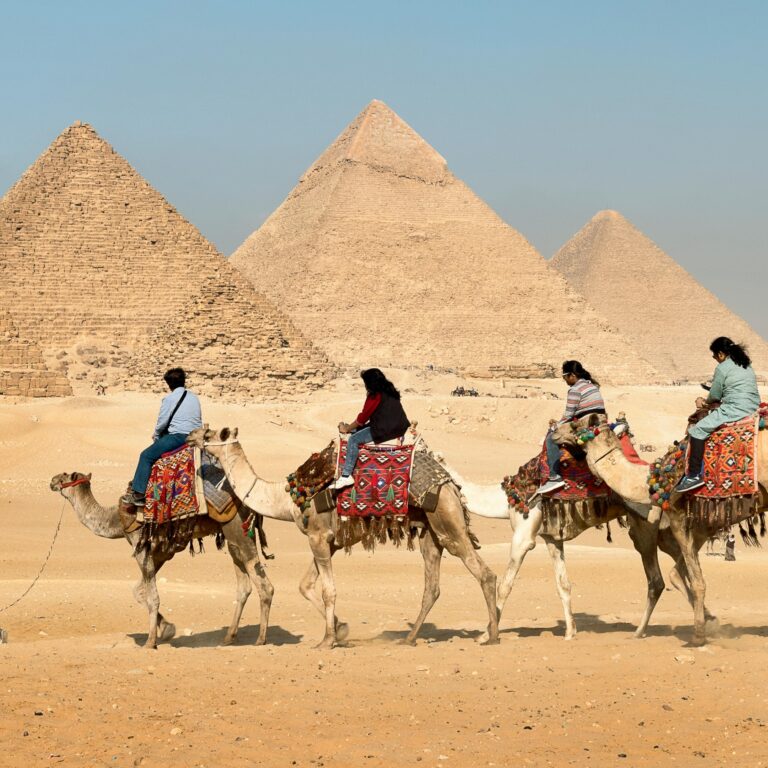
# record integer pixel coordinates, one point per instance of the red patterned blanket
(171, 487)
(580, 483)
(382, 475)
(730, 468)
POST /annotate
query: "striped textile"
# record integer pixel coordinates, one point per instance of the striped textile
(583, 397)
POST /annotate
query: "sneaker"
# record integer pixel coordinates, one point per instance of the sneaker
(689, 483)
(619, 429)
(551, 485)
(343, 482)
(134, 498)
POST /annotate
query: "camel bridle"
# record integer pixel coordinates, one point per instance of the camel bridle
(72, 483)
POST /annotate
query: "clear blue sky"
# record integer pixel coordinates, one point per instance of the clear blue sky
(550, 111)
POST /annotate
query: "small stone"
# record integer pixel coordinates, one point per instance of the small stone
(176, 731)
(38, 713)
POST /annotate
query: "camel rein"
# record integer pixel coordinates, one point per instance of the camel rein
(607, 453)
(48, 556)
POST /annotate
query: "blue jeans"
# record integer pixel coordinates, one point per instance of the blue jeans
(356, 439)
(553, 454)
(150, 455)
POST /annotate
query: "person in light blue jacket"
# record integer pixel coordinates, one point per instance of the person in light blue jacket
(179, 414)
(734, 387)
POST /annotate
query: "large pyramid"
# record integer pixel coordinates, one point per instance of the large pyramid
(651, 299)
(386, 258)
(114, 286)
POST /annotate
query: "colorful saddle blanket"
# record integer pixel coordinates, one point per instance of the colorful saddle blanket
(580, 483)
(171, 493)
(382, 477)
(730, 466)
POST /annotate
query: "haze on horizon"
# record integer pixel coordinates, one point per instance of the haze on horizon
(549, 112)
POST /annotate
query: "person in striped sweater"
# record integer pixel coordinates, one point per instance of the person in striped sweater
(584, 398)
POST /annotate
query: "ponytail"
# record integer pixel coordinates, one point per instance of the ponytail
(731, 349)
(579, 371)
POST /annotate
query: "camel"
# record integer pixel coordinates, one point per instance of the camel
(490, 501)
(106, 522)
(630, 481)
(445, 528)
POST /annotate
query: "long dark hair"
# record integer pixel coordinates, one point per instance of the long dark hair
(376, 382)
(579, 371)
(731, 349)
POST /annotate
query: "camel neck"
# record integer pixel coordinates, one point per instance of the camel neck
(103, 521)
(629, 480)
(267, 498)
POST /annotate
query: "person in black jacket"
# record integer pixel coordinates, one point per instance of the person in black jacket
(381, 419)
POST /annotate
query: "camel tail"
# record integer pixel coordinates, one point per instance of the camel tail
(465, 511)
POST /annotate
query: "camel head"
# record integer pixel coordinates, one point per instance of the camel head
(68, 480)
(590, 434)
(204, 436)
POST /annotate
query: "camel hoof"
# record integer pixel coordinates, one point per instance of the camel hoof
(342, 631)
(229, 640)
(325, 645)
(639, 634)
(483, 638)
(570, 635)
(697, 641)
(167, 632)
(490, 641)
(150, 646)
(408, 641)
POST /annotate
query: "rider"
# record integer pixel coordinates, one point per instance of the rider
(584, 398)
(734, 385)
(179, 415)
(381, 419)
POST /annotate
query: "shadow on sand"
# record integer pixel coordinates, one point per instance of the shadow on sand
(246, 635)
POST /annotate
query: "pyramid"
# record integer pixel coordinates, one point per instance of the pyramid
(23, 371)
(388, 259)
(652, 300)
(100, 271)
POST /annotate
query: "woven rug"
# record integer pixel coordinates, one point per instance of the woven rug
(171, 488)
(730, 490)
(381, 480)
(583, 500)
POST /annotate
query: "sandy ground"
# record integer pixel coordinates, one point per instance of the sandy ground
(77, 688)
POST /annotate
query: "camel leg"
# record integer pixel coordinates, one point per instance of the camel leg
(165, 629)
(523, 541)
(307, 589)
(678, 576)
(248, 569)
(690, 553)
(487, 580)
(563, 584)
(432, 553)
(148, 588)
(644, 536)
(321, 551)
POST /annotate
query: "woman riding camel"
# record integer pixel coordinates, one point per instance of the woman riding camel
(584, 398)
(381, 419)
(734, 388)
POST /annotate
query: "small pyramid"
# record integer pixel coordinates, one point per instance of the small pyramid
(386, 258)
(652, 300)
(101, 271)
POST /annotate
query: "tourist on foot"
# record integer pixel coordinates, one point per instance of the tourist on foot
(584, 398)
(179, 415)
(381, 419)
(734, 385)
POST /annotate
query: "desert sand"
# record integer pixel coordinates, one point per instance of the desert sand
(78, 689)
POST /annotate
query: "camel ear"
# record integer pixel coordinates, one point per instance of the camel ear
(594, 420)
(89, 476)
(224, 434)
(234, 433)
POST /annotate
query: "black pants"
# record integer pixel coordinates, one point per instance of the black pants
(695, 456)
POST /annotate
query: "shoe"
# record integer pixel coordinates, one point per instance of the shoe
(689, 483)
(343, 482)
(134, 498)
(551, 485)
(619, 429)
